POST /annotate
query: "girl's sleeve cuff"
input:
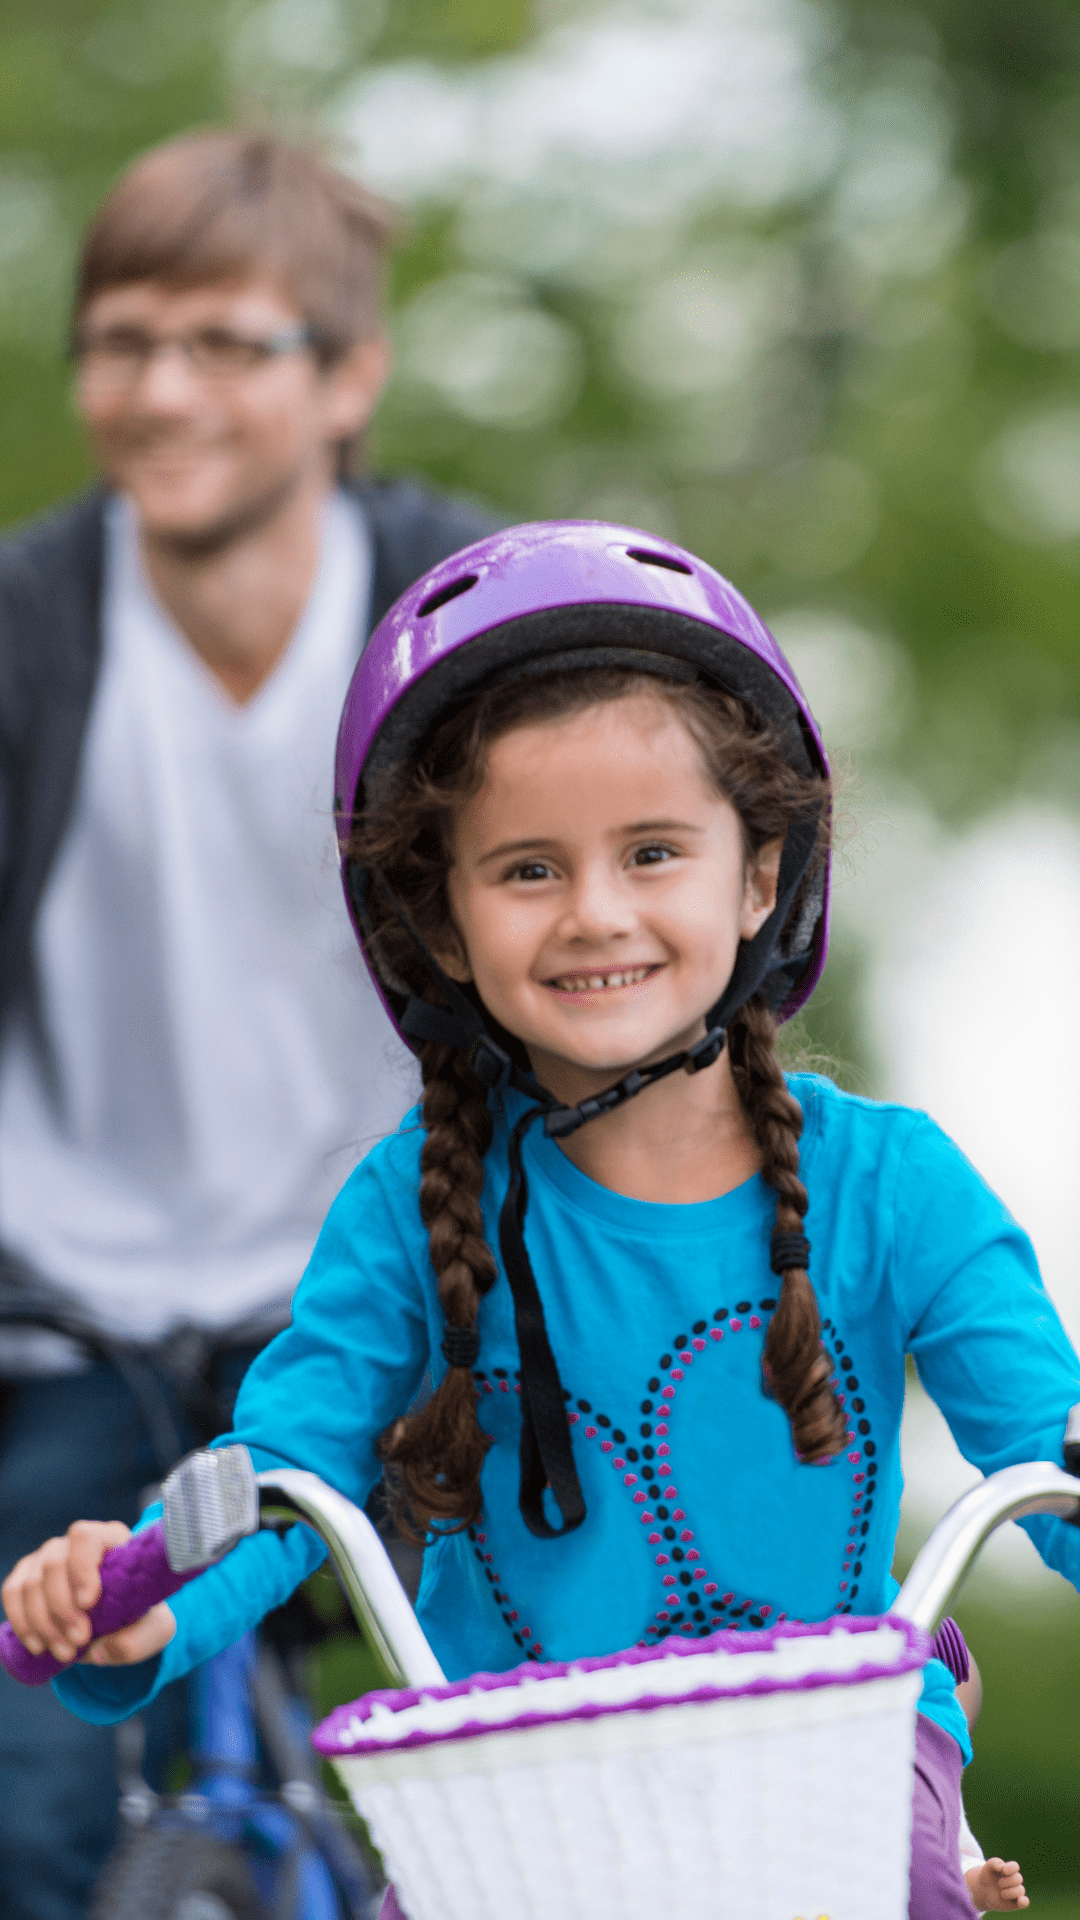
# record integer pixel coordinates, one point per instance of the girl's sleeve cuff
(104, 1695)
(940, 1704)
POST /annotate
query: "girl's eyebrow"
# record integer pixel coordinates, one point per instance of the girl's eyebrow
(662, 826)
(636, 826)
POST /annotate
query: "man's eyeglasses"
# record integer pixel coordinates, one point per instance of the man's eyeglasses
(119, 356)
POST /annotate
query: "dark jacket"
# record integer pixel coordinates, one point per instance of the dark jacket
(50, 651)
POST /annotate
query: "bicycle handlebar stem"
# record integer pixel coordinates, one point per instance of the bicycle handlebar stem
(363, 1566)
(1015, 1493)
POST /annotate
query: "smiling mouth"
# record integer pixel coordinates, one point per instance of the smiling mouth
(602, 982)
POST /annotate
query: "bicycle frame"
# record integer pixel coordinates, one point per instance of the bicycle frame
(297, 1849)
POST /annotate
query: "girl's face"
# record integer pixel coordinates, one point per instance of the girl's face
(599, 888)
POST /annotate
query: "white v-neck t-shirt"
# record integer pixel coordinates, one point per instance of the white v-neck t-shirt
(207, 1060)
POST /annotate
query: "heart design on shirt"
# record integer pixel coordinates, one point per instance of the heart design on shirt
(693, 1599)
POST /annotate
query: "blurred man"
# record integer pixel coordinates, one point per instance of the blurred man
(192, 1059)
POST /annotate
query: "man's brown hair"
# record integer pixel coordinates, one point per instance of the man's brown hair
(222, 204)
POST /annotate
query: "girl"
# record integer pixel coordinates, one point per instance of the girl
(584, 815)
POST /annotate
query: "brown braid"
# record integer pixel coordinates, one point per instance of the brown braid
(438, 1453)
(798, 1369)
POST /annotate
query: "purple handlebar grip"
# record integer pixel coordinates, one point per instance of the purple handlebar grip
(134, 1578)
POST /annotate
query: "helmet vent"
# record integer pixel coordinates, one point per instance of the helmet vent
(647, 559)
(451, 592)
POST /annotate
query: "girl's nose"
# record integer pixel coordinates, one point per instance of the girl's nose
(599, 907)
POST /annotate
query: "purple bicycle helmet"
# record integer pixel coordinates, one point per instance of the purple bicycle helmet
(563, 595)
(559, 595)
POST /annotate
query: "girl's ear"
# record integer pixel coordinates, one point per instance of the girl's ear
(759, 889)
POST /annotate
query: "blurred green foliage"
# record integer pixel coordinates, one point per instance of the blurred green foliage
(893, 360)
(857, 392)
(1020, 1791)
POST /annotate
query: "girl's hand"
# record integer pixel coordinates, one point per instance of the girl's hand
(47, 1594)
(140, 1641)
(997, 1886)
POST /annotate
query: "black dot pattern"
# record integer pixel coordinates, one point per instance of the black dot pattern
(523, 1635)
(861, 1452)
(498, 1382)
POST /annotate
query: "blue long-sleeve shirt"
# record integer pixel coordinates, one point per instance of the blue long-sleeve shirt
(699, 1514)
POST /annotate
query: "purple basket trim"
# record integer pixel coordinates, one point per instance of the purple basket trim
(529, 1678)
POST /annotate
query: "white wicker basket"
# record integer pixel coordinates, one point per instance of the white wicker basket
(743, 1777)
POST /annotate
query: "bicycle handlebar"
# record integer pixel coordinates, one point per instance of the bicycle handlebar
(210, 1502)
(138, 1574)
(1014, 1493)
(209, 1505)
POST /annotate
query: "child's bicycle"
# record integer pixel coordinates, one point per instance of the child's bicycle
(763, 1776)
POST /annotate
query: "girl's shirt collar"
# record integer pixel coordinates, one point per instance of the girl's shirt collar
(546, 1164)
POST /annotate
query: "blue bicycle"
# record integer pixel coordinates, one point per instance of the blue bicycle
(253, 1833)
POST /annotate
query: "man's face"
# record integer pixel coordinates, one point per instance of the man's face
(202, 450)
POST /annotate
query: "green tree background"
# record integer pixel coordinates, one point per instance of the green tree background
(822, 323)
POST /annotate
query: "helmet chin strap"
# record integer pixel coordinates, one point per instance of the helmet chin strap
(547, 1455)
(560, 1120)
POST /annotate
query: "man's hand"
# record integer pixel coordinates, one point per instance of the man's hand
(997, 1886)
(47, 1596)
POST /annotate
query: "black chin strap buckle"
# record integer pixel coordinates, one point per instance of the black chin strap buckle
(706, 1051)
(559, 1121)
(563, 1120)
(547, 1453)
(489, 1063)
